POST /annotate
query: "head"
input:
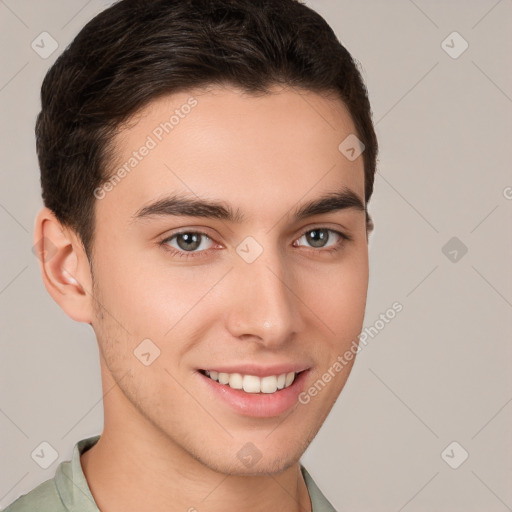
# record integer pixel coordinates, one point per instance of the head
(201, 208)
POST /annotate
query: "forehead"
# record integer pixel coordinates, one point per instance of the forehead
(221, 143)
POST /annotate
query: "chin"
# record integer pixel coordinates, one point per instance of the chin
(271, 459)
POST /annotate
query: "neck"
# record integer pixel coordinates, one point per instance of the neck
(135, 466)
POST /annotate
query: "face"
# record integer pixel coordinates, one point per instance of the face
(253, 284)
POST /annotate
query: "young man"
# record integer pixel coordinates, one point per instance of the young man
(206, 167)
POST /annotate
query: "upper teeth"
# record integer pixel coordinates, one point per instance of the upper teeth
(252, 383)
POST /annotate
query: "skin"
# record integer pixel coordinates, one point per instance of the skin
(264, 155)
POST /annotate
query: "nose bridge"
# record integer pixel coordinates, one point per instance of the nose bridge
(263, 305)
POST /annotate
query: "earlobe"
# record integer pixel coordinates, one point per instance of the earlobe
(64, 266)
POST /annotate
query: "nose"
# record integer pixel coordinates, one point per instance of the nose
(264, 305)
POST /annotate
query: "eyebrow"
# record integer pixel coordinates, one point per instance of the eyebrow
(178, 205)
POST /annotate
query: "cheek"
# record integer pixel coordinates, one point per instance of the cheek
(153, 299)
(338, 295)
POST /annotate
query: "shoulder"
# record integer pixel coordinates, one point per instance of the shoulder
(43, 498)
(67, 490)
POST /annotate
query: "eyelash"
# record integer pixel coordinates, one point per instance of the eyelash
(198, 254)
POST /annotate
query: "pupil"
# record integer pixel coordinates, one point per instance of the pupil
(191, 241)
(317, 237)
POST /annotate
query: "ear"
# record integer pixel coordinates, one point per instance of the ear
(64, 266)
(369, 226)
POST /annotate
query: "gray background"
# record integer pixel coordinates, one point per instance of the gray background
(437, 373)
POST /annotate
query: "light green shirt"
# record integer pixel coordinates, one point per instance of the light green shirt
(68, 490)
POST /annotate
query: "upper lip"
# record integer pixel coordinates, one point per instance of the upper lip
(258, 370)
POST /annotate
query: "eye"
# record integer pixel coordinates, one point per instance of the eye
(187, 242)
(319, 238)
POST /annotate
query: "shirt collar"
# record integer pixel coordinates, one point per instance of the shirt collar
(71, 483)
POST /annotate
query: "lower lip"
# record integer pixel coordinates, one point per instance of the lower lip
(258, 405)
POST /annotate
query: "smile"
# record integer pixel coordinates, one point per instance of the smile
(252, 383)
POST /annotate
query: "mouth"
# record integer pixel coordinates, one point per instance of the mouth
(254, 390)
(253, 384)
